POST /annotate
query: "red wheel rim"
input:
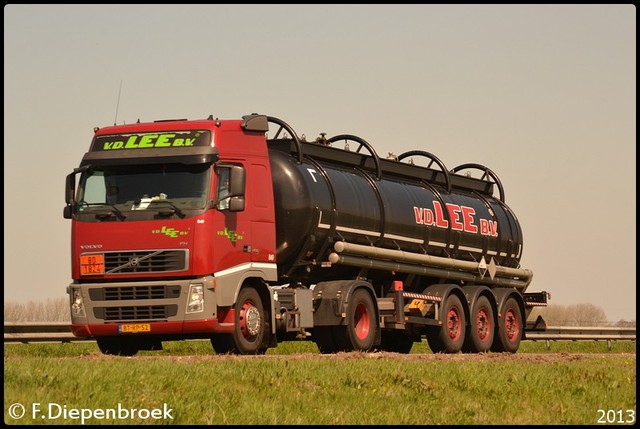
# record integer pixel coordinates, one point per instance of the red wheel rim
(249, 320)
(454, 327)
(361, 322)
(511, 326)
(483, 325)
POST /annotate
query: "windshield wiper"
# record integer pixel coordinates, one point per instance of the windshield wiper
(175, 208)
(101, 215)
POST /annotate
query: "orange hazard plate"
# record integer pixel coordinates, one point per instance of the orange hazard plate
(92, 264)
(131, 328)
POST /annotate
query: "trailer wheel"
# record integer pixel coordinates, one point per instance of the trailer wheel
(360, 330)
(395, 342)
(509, 328)
(449, 337)
(479, 339)
(249, 328)
(117, 346)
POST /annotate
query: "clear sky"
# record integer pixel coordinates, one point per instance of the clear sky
(543, 95)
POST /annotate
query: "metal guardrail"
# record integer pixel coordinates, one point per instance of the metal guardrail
(40, 332)
(540, 331)
(576, 333)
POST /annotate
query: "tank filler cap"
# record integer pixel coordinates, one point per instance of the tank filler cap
(322, 139)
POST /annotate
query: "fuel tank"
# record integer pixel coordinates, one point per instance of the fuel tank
(331, 195)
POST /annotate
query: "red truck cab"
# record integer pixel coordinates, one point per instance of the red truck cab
(165, 217)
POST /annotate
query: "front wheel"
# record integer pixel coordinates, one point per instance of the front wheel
(250, 327)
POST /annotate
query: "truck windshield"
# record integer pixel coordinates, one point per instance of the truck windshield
(144, 187)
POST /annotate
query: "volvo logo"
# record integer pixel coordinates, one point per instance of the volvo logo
(91, 246)
(134, 261)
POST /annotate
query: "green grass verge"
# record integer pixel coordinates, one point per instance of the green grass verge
(57, 383)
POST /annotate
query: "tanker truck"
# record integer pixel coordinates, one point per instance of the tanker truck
(239, 232)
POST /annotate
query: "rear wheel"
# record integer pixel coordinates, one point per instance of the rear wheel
(360, 330)
(509, 333)
(482, 328)
(449, 337)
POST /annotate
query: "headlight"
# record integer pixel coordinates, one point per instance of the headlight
(196, 299)
(77, 305)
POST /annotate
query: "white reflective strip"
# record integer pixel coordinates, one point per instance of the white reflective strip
(470, 249)
(247, 267)
(357, 231)
(400, 237)
(346, 229)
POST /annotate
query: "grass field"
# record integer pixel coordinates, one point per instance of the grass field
(573, 383)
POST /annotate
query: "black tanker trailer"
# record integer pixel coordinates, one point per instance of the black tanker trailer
(437, 247)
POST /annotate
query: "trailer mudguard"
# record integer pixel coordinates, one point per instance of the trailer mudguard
(443, 291)
(502, 294)
(330, 300)
(473, 292)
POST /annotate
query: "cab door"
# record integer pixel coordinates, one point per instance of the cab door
(232, 242)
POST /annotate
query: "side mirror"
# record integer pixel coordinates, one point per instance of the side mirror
(70, 188)
(69, 195)
(237, 181)
(236, 204)
(232, 180)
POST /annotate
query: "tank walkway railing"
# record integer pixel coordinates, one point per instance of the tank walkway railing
(57, 332)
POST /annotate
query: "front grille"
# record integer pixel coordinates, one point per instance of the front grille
(146, 261)
(121, 293)
(146, 312)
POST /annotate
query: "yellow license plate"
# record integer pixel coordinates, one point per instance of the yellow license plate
(92, 264)
(131, 328)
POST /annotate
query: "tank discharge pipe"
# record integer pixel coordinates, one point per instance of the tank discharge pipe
(380, 258)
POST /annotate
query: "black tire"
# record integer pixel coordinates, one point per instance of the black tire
(510, 326)
(395, 342)
(117, 346)
(433, 339)
(449, 337)
(482, 327)
(359, 333)
(250, 327)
